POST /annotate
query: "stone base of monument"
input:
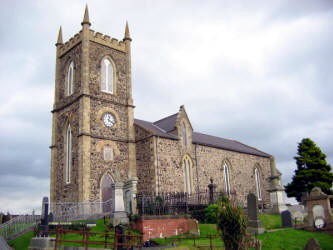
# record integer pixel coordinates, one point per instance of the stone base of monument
(39, 243)
(119, 218)
(255, 227)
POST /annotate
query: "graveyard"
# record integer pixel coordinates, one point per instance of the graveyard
(264, 230)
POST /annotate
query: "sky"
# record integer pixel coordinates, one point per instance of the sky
(258, 72)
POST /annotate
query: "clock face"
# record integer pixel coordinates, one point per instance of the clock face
(108, 120)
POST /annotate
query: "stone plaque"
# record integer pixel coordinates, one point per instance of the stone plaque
(108, 153)
(318, 211)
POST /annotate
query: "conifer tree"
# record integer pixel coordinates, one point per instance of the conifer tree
(312, 171)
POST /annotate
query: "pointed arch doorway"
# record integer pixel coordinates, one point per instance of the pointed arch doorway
(106, 191)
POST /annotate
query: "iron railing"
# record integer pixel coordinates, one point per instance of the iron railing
(18, 224)
(177, 202)
(72, 211)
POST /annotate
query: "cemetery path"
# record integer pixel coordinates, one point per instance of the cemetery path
(275, 229)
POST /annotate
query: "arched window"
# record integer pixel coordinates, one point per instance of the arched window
(68, 154)
(70, 78)
(187, 166)
(226, 178)
(107, 76)
(184, 134)
(258, 187)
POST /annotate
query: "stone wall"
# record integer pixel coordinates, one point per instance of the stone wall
(207, 162)
(96, 53)
(241, 167)
(63, 191)
(145, 159)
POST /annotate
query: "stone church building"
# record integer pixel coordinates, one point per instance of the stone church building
(96, 141)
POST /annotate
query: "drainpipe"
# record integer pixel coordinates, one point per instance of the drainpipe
(196, 167)
(157, 166)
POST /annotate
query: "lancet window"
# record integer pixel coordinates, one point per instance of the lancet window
(187, 166)
(107, 78)
(258, 186)
(226, 174)
(68, 154)
(70, 79)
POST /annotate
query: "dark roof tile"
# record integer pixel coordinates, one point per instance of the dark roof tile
(162, 127)
(168, 123)
(218, 142)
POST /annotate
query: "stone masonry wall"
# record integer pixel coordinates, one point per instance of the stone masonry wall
(209, 164)
(96, 53)
(241, 168)
(145, 160)
(116, 137)
(67, 192)
(68, 113)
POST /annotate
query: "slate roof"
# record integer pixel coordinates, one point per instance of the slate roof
(168, 123)
(163, 127)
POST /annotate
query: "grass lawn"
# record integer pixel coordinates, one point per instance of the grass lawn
(22, 242)
(271, 221)
(294, 239)
(280, 239)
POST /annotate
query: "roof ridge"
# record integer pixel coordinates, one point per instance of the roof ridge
(165, 118)
(213, 136)
(250, 147)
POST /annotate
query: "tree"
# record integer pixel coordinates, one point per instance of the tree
(312, 171)
(232, 222)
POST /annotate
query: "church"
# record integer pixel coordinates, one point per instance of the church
(97, 142)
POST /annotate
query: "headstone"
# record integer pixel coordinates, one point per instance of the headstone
(44, 218)
(312, 244)
(119, 215)
(254, 224)
(211, 188)
(120, 236)
(286, 219)
(319, 211)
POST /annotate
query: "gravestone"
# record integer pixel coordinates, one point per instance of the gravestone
(286, 219)
(312, 244)
(44, 218)
(211, 188)
(43, 242)
(119, 215)
(120, 236)
(254, 223)
(319, 211)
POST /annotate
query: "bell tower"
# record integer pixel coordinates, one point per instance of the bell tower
(93, 142)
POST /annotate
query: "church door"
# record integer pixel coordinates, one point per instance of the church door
(106, 192)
